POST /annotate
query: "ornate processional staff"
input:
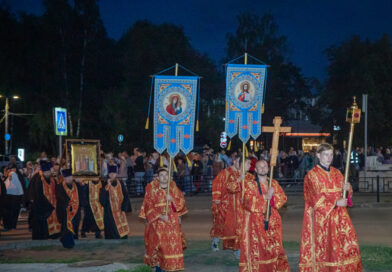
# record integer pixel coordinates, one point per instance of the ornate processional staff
(353, 117)
(276, 130)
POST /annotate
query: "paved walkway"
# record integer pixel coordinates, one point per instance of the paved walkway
(372, 221)
(94, 266)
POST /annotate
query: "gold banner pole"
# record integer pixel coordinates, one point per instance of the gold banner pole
(243, 150)
(168, 185)
(171, 159)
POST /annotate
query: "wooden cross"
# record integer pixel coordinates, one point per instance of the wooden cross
(276, 130)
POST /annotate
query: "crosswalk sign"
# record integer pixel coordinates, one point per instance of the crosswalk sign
(60, 121)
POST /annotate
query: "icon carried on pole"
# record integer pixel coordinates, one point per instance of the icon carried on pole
(60, 115)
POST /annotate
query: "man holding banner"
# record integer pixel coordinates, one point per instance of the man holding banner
(174, 119)
(163, 237)
(245, 85)
(235, 212)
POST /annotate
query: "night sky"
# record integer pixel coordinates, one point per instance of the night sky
(311, 26)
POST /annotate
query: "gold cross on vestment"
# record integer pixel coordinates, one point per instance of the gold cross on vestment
(276, 130)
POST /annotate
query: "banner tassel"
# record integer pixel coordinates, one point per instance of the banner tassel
(174, 167)
(227, 106)
(246, 152)
(161, 161)
(255, 147)
(188, 161)
(229, 146)
(198, 104)
(147, 123)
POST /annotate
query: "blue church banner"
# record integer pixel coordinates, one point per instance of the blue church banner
(245, 89)
(174, 113)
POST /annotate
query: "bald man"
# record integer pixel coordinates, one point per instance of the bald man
(262, 250)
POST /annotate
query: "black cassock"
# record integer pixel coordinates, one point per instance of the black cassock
(89, 224)
(61, 210)
(41, 208)
(111, 231)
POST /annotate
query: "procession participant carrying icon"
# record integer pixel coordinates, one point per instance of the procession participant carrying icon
(245, 91)
(164, 204)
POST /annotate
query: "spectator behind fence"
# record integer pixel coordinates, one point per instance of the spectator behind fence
(197, 171)
(139, 171)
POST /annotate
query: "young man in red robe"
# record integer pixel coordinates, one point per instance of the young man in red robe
(235, 212)
(328, 241)
(221, 200)
(163, 238)
(262, 250)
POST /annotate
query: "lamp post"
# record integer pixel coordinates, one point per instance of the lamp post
(7, 108)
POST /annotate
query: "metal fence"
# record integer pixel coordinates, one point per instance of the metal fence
(377, 184)
(193, 185)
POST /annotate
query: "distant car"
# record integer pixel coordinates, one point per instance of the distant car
(5, 160)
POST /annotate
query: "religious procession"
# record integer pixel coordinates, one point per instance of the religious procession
(245, 206)
(139, 153)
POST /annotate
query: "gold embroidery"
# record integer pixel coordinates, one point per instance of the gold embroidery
(346, 262)
(319, 202)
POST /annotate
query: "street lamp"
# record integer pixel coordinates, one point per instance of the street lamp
(7, 108)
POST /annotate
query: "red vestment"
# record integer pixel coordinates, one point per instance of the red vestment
(96, 207)
(164, 241)
(116, 199)
(235, 211)
(328, 241)
(262, 250)
(49, 191)
(219, 193)
(73, 204)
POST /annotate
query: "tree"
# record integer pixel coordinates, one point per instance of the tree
(146, 49)
(356, 67)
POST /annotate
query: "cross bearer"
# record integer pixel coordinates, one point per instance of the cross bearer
(261, 240)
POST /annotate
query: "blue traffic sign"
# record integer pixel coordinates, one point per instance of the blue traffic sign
(60, 121)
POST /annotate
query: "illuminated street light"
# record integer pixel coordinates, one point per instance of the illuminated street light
(7, 108)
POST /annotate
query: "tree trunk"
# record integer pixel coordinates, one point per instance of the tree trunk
(82, 64)
(65, 77)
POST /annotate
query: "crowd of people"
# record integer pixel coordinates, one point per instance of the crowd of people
(55, 199)
(63, 206)
(194, 172)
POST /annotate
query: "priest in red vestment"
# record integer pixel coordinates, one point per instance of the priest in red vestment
(235, 212)
(328, 241)
(164, 241)
(221, 201)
